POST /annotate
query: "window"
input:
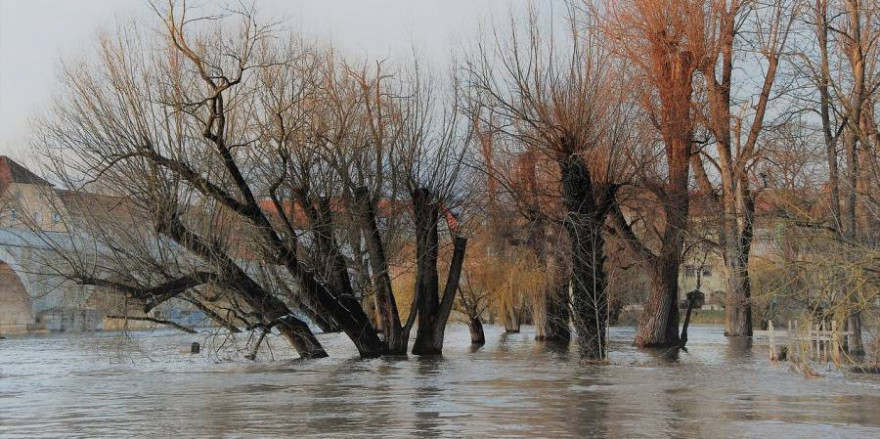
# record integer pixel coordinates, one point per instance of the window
(689, 271)
(707, 272)
(37, 217)
(13, 215)
(56, 218)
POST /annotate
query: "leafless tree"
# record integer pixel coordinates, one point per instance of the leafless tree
(555, 99)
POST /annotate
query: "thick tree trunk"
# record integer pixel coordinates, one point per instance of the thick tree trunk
(346, 310)
(584, 221)
(396, 336)
(511, 319)
(301, 337)
(589, 297)
(426, 214)
(475, 326)
(432, 312)
(551, 313)
(587, 207)
(658, 325)
(856, 345)
(738, 302)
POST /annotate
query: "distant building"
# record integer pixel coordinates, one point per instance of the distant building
(26, 200)
(32, 297)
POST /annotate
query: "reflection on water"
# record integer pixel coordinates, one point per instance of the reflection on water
(105, 385)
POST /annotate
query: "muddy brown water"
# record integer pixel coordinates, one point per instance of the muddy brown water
(140, 385)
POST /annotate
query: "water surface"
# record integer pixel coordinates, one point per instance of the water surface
(140, 385)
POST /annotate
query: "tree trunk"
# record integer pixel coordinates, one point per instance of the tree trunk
(432, 312)
(687, 321)
(551, 313)
(426, 214)
(396, 336)
(856, 345)
(511, 319)
(475, 326)
(658, 324)
(235, 278)
(584, 220)
(738, 308)
(301, 337)
(738, 301)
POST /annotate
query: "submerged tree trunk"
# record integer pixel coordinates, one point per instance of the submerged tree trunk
(658, 325)
(587, 208)
(511, 318)
(301, 337)
(551, 313)
(687, 321)
(475, 325)
(433, 311)
(396, 335)
(738, 315)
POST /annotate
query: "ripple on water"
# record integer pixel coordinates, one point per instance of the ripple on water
(139, 385)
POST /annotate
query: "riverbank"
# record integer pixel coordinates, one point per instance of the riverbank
(698, 317)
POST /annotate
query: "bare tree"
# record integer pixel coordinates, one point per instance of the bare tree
(555, 99)
(666, 43)
(735, 116)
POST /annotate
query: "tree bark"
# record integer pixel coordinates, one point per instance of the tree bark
(235, 278)
(396, 335)
(586, 210)
(738, 310)
(475, 325)
(551, 313)
(658, 325)
(432, 313)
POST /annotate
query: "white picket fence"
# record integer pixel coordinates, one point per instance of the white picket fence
(821, 342)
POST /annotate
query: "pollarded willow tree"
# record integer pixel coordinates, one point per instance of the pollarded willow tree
(665, 41)
(555, 97)
(264, 163)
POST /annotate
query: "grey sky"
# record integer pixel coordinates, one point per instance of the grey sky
(36, 34)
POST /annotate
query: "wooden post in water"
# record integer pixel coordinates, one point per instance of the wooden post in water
(812, 341)
(772, 343)
(835, 343)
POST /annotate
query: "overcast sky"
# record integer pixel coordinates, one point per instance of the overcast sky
(36, 34)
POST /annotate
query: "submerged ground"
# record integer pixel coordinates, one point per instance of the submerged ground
(139, 385)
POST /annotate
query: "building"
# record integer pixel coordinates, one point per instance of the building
(36, 218)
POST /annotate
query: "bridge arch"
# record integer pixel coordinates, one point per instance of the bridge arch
(16, 304)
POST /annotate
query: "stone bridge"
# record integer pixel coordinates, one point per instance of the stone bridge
(32, 299)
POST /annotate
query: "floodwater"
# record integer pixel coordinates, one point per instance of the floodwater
(140, 385)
